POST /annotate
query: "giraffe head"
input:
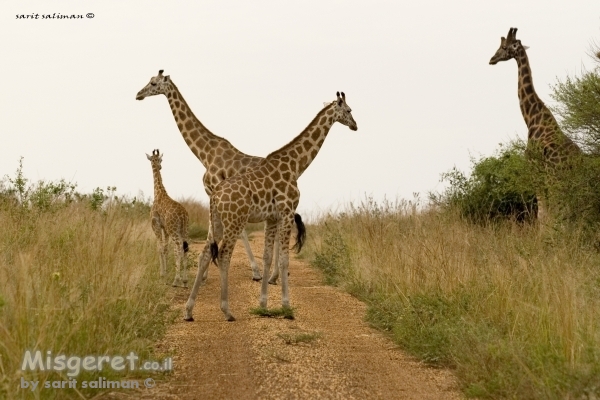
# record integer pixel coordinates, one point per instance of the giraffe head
(509, 47)
(155, 159)
(342, 112)
(158, 84)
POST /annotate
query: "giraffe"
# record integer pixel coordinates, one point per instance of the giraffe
(169, 220)
(545, 139)
(220, 158)
(268, 192)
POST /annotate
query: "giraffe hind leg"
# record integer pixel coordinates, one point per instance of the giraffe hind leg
(203, 262)
(270, 236)
(253, 265)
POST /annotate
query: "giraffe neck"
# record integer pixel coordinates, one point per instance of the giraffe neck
(303, 149)
(199, 139)
(159, 189)
(533, 108)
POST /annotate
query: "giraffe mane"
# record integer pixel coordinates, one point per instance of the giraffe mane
(289, 144)
(194, 118)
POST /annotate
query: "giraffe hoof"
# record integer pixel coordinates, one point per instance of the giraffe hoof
(273, 282)
(189, 319)
(230, 318)
(257, 279)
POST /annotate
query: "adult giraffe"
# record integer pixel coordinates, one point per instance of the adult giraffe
(268, 192)
(220, 158)
(545, 140)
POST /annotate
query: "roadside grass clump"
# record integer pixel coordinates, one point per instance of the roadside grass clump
(78, 277)
(304, 337)
(513, 309)
(285, 312)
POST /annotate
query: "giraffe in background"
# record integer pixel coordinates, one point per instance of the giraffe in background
(268, 192)
(169, 220)
(545, 139)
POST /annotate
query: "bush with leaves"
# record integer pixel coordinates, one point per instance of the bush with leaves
(499, 187)
(578, 108)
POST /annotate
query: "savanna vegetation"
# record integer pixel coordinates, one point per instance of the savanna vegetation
(79, 276)
(466, 280)
(470, 281)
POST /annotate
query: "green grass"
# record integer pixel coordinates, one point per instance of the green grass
(285, 312)
(512, 309)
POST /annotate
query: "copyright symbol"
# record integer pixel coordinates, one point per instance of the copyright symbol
(149, 383)
(89, 15)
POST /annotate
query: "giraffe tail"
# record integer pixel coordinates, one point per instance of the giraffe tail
(301, 235)
(186, 247)
(217, 231)
(214, 252)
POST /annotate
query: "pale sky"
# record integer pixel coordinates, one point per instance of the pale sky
(416, 75)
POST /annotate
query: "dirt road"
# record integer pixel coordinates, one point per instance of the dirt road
(327, 352)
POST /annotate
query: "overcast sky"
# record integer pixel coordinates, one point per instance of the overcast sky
(416, 75)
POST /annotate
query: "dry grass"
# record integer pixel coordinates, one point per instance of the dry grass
(515, 309)
(198, 212)
(79, 282)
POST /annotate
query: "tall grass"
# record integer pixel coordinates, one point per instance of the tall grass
(77, 279)
(198, 212)
(514, 309)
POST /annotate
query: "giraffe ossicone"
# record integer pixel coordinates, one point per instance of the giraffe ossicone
(267, 192)
(169, 221)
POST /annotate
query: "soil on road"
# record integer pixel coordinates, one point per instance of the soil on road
(326, 352)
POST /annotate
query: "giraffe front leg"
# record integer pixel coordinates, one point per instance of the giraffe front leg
(178, 245)
(255, 271)
(270, 235)
(160, 244)
(542, 214)
(163, 257)
(275, 274)
(203, 262)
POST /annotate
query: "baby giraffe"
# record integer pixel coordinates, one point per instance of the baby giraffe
(169, 220)
(267, 192)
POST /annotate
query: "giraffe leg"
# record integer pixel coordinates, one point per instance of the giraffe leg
(160, 236)
(225, 253)
(255, 271)
(284, 233)
(542, 214)
(184, 266)
(275, 274)
(178, 246)
(203, 262)
(270, 235)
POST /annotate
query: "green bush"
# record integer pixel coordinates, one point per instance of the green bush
(499, 187)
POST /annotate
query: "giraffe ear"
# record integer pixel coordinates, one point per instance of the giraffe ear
(149, 158)
(525, 47)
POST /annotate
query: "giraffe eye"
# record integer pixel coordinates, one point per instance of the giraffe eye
(153, 84)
